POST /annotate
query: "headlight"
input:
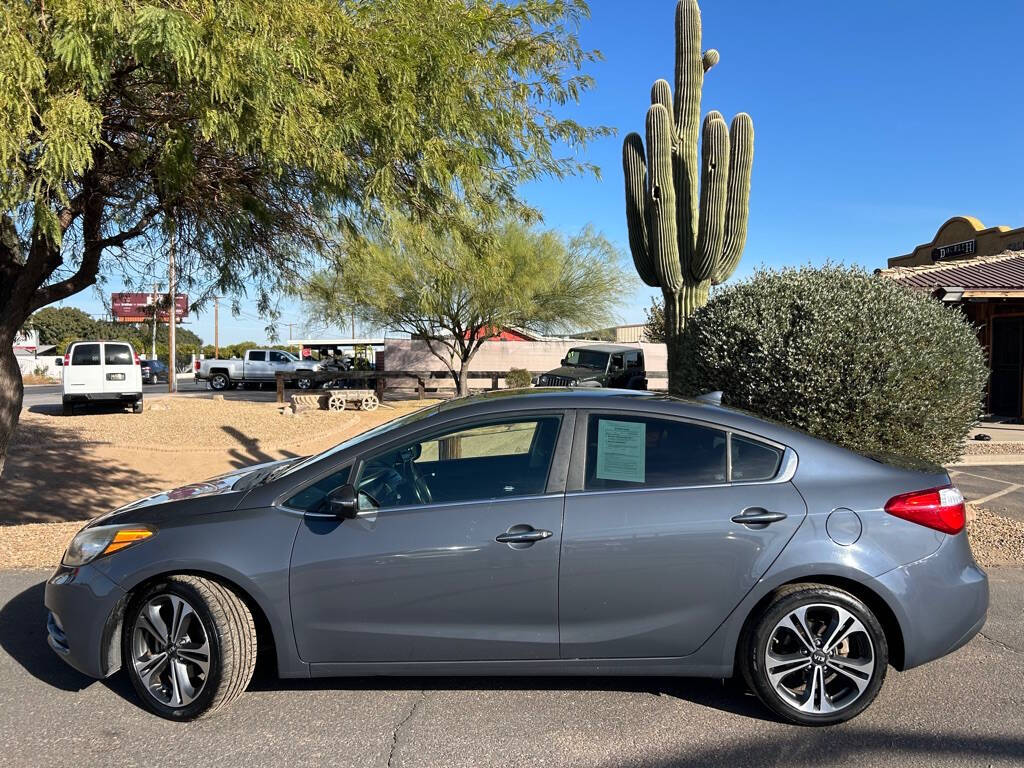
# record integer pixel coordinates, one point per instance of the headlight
(90, 543)
(574, 383)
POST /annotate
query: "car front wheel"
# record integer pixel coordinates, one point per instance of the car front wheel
(816, 655)
(189, 646)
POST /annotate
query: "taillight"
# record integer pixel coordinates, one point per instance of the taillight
(197, 366)
(137, 360)
(67, 359)
(939, 508)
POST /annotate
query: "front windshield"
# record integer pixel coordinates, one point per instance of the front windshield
(361, 437)
(587, 358)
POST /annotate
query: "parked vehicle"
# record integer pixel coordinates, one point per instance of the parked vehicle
(539, 532)
(154, 371)
(101, 372)
(599, 365)
(258, 366)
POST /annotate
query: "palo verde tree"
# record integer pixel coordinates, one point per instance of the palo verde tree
(458, 288)
(686, 238)
(247, 130)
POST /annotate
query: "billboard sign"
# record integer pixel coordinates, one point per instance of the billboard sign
(138, 307)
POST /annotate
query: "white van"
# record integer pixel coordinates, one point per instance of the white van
(101, 371)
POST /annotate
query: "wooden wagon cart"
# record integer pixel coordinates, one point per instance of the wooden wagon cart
(363, 399)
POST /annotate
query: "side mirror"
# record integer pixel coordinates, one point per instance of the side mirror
(564, 361)
(59, 362)
(342, 502)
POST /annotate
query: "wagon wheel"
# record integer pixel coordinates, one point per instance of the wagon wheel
(336, 403)
(370, 402)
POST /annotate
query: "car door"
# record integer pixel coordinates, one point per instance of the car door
(256, 366)
(119, 370)
(84, 374)
(453, 555)
(654, 552)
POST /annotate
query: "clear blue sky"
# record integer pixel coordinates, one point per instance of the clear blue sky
(875, 121)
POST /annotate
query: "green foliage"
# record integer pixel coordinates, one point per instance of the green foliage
(655, 323)
(518, 378)
(686, 238)
(63, 325)
(850, 358)
(457, 288)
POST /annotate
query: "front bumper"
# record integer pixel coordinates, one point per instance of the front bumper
(943, 600)
(83, 626)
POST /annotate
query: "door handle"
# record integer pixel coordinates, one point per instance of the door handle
(756, 516)
(528, 536)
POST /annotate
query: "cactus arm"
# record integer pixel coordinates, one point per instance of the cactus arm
(737, 206)
(634, 169)
(661, 93)
(713, 186)
(661, 205)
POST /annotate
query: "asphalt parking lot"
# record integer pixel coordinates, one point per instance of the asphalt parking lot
(964, 710)
(999, 488)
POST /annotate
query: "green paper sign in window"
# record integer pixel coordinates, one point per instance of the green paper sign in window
(621, 446)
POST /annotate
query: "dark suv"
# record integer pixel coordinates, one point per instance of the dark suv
(154, 371)
(600, 365)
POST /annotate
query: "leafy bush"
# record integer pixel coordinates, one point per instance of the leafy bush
(518, 378)
(848, 357)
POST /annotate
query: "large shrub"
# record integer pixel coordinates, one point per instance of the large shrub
(846, 356)
(518, 378)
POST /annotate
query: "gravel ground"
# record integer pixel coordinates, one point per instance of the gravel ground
(995, 540)
(994, 448)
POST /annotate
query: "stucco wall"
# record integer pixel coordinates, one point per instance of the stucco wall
(29, 364)
(536, 356)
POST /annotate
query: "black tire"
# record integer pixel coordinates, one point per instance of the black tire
(232, 640)
(137, 406)
(220, 381)
(305, 382)
(68, 409)
(758, 633)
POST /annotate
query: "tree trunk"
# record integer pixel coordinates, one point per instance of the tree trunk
(12, 391)
(462, 380)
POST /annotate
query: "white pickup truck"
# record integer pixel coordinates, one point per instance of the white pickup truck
(259, 365)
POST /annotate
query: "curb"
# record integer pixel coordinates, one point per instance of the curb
(991, 459)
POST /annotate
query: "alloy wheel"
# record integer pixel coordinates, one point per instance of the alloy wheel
(171, 650)
(819, 658)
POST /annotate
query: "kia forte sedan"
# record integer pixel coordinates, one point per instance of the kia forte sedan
(538, 532)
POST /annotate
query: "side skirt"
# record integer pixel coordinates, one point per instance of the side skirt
(674, 666)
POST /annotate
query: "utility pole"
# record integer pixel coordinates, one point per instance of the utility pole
(156, 319)
(353, 324)
(216, 329)
(172, 291)
(289, 330)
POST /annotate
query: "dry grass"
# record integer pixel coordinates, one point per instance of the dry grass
(32, 378)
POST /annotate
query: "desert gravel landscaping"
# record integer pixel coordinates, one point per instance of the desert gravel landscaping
(72, 468)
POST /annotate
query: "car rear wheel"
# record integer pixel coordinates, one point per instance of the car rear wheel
(816, 655)
(137, 406)
(219, 381)
(189, 647)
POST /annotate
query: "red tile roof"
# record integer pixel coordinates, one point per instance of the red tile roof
(1002, 272)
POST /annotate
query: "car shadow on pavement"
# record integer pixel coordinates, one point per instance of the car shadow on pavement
(725, 695)
(51, 475)
(23, 638)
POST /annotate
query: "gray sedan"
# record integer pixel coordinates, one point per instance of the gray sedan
(545, 532)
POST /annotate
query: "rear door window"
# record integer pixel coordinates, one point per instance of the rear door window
(625, 451)
(117, 354)
(257, 357)
(85, 354)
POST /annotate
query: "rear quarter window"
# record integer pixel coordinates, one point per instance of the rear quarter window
(753, 460)
(85, 354)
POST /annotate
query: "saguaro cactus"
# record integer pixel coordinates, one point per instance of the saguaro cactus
(682, 239)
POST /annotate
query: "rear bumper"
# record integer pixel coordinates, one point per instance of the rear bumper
(943, 600)
(83, 624)
(103, 397)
